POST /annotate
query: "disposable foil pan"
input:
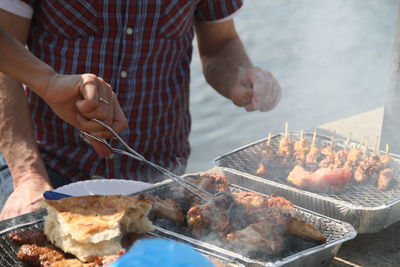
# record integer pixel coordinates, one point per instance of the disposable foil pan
(336, 232)
(34, 220)
(361, 205)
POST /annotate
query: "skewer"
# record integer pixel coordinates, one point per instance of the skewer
(347, 142)
(314, 138)
(376, 145)
(269, 139)
(333, 137)
(301, 135)
(286, 129)
(366, 146)
(387, 148)
(362, 141)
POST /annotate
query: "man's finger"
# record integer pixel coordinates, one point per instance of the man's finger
(89, 91)
(119, 123)
(100, 148)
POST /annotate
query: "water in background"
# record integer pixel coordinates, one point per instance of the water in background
(332, 59)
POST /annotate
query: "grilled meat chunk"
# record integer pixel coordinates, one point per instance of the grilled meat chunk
(384, 178)
(264, 237)
(165, 208)
(34, 236)
(34, 255)
(322, 180)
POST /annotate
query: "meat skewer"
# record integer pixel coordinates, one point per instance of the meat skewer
(329, 153)
(386, 175)
(360, 172)
(313, 154)
(341, 155)
(267, 155)
(301, 148)
(285, 144)
(355, 154)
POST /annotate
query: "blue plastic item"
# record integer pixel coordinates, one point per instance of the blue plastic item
(161, 252)
(53, 195)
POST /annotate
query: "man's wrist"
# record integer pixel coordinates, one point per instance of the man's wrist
(44, 76)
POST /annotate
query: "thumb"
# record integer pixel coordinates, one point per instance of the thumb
(241, 95)
(90, 97)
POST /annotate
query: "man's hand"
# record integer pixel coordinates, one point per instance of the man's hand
(256, 89)
(75, 98)
(26, 197)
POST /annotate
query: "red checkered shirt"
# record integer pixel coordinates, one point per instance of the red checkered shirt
(143, 49)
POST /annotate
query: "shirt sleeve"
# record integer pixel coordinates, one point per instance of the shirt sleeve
(217, 10)
(18, 7)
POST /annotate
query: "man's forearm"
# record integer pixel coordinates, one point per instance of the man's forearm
(17, 143)
(223, 67)
(18, 62)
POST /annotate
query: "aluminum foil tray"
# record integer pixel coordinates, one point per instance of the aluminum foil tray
(34, 220)
(361, 205)
(336, 232)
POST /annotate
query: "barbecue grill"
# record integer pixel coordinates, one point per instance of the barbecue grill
(317, 255)
(361, 205)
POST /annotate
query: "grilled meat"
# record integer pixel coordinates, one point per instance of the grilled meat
(167, 208)
(322, 180)
(301, 149)
(354, 155)
(34, 255)
(313, 156)
(360, 174)
(210, 182)
(285, 147)
(384, 178)
(34, 236)
(107, 260)
(264, 237)
(220, 216)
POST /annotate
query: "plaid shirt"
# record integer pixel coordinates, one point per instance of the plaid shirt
(143, 49)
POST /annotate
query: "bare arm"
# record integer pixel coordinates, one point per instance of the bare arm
(17, 143)
(222, 54)
(228, 69)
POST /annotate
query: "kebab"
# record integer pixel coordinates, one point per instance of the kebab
(313, 154)
(329, 153)
(360, 173)
(267, 155)
(386, 174)
(285, 145)
(301, 148)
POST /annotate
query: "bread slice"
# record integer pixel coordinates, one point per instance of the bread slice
(90, 226)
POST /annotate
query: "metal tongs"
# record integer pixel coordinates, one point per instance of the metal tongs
(192, 188)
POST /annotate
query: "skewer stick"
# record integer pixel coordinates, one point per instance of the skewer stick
(269, 139)
(362, 142)
(286, 129)
(376, 145)
(314, 137)
(347, 142)
(333, 137)
(387, 148)
(301, 135)
(366, 146)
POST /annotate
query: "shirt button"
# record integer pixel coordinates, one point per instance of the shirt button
(129, 31)
(123, 74)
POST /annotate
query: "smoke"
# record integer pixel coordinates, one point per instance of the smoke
(332, 59)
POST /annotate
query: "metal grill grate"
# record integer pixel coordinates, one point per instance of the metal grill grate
(246, 160)
(336, 232)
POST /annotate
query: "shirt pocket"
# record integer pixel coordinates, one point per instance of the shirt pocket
(69, 19)
(177, 18)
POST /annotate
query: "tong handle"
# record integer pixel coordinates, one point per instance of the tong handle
(192, 188)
